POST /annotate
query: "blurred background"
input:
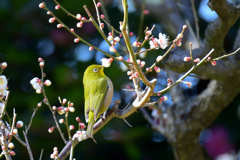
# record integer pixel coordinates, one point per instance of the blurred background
(26, 34)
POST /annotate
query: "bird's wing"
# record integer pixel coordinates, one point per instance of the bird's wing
(98, 95)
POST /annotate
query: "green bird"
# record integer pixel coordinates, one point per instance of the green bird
(98, 93)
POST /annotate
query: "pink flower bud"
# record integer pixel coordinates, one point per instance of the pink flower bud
(42, 5)
(59, 25)
(19, 124)
(38, 91)
(66, 109)
(76, 40)
(54, 108)
(4, 65)
(102, 16)
(47, 83)
(159, 94)
(196, 60)
(72, 29)
(146, 12)
(12, 153)
(84, 19)
(112, 49)
(129, 73)
(136, 74)
(169, 80)
(186, 59)
(71, 109)
(99, 4)
(61, 121)
(131, 77)
(40, 59)
(136, 44)
(78, 16)
(189, 84)
(138, 61)
(3, 147)
(90, 48)
(55, 149)
(149, 32)
(143, 63)
(15, 131)
(71, 127)
(51, 20)
(78, 119)
(71, 104)
(179, 42)
(101, 25)
(120, 58)
(214, 63)
(131, 34)
(165, 98)
(41, 64)
(157, 69)
(57, 7)
(148, 69)
(52, 156)
(60, 110)
(117, 39)
(80, 24)
(11, 145)
(82, 125)
(110, 38)
(184, 26)
(50, 130)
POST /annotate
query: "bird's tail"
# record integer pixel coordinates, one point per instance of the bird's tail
(90, 126)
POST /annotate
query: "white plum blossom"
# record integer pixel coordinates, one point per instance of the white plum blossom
(36, 83)
(106, 62)
(163, 40)
(154, 43)
(3, 85)
(80, 135)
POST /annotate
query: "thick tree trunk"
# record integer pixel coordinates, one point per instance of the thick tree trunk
(188, 148)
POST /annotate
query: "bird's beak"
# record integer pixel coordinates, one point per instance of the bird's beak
(101, 67)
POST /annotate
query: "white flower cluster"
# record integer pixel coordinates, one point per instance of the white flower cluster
(37, 84)
(162, 42)
(106, 62)
(3, 85)
(80, 135)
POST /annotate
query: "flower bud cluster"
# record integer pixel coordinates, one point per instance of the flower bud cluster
(113, 41)
(54, 155)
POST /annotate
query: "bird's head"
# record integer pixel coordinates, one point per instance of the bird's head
(94, 71)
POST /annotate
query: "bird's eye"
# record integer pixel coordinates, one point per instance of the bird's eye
(95, 70)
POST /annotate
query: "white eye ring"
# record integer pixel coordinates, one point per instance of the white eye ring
(95, 70)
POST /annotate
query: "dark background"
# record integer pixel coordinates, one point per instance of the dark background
(25, 35)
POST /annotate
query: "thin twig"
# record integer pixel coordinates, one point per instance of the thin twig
(226, 55)
(187, 73)
(28, 146)
(196, 21)
(30, 123)
(50, 108)
(40, 157)
(13, 125)
(141, 19)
